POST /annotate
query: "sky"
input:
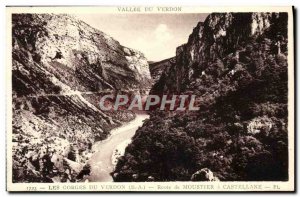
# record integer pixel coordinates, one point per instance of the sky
(155, 35)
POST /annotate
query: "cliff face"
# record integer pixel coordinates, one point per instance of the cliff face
(220, 35)
(236, 65)
(73, 53)
(60, 66)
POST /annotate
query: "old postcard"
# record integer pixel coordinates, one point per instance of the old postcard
(144, 99)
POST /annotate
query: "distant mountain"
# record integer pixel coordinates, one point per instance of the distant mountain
(157, 68)
(151, 62)
(60, 67)
(236, 64)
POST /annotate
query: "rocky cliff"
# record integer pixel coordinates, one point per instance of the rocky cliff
(223, 36)
(236, 64)
(60, 68)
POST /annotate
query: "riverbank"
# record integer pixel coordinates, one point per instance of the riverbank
(103, 160)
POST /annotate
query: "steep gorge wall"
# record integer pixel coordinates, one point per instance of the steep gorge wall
(221, 35)
(60, 67)
(236, 65)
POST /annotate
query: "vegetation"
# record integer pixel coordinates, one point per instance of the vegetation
(240, 131)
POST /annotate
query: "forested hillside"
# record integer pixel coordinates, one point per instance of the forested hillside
(236, 64)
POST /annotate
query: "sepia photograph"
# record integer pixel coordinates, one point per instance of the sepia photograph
(160, 98)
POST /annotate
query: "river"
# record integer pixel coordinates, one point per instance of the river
(102, 160)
